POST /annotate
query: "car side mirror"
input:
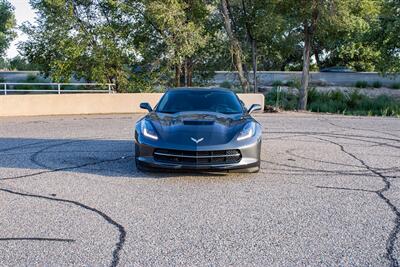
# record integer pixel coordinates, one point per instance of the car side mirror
(146, 106)
(253, 108)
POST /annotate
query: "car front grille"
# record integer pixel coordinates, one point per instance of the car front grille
(197, 157)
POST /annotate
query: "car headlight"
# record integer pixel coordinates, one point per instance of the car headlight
(148, 130)
(248, 131)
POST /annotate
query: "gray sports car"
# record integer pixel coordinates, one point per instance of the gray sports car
(198, 129)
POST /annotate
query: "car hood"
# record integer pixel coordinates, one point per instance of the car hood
(194, 129)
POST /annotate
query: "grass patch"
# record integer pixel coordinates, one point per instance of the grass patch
(361, 84)
(352, 103)
(277, 83)
(226, 84)
(377, 84)
(395, 86)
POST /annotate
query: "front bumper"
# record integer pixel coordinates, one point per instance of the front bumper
(250, 157)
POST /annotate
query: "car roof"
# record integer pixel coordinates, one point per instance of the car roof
(215, 89)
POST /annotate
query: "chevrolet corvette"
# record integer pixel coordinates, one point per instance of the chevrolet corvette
(207, 129)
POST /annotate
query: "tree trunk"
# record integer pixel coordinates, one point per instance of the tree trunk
(306, 69)
(254, 54)
(316, 54)
(236, 49)
(309, 30)
(186, 73)
(190, 73)
(177, 75)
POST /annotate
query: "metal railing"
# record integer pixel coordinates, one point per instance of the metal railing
(6, 88)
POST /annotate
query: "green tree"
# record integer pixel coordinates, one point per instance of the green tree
(86, 39)
(7, 24)
(347, 41)
(20, 63)
(181, 26)
(321, 23)
(387, 37)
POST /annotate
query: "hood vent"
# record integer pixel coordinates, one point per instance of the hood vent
(197, 122)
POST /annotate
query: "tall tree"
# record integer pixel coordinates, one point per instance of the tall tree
(86, 39)
(180, 25)
(320, 23)
(7, 24)
(387, 37)
(236, 48)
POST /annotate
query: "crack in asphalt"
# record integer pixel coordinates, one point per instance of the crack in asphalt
(360, 129)
(122, 233)
(120, 228)
(347, 136)
(290, 152)
(298, 169)
(26, 145)
(37, 239)
(346, 189)
(66, 168)
(396, 229)
(33, 157)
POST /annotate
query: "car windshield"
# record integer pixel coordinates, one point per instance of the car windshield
(200, 100)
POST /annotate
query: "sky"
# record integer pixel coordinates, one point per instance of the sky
(23, 12)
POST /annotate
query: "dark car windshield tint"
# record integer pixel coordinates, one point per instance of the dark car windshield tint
(200, 100)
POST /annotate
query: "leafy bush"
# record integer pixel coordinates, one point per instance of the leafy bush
(395, 86)
(377, 84)
(361, 84)
(296, 83)
(226, 84)
(282, 99)
(277, 83)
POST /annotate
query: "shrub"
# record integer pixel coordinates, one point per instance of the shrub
(352, 103)
(226, 84)
(361, 84)
(31, 78)
(277, 83)
(296, 83)
(282, 99)
(395, 86)
(377, 84)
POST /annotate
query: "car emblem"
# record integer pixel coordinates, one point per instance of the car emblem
(197, 140)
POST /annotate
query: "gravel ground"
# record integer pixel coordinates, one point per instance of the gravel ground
(328, 194)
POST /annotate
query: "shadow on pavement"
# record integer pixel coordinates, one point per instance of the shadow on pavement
(94, 156)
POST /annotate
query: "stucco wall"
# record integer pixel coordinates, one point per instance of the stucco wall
(73, 104)
(264, 77)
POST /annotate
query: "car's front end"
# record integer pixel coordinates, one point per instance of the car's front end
(234, 155)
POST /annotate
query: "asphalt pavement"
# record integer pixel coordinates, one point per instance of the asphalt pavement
(328, 194)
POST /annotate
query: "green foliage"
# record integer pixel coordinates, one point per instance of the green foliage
(184, 41)
(395, 86)
(21, 64)
(282, 99)
(226, 84)
(183, 35)
(295, 83)
(361, 84)
(352, 103)
(386, 37)
(377, 84)
(277, 83)
(7, 24)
